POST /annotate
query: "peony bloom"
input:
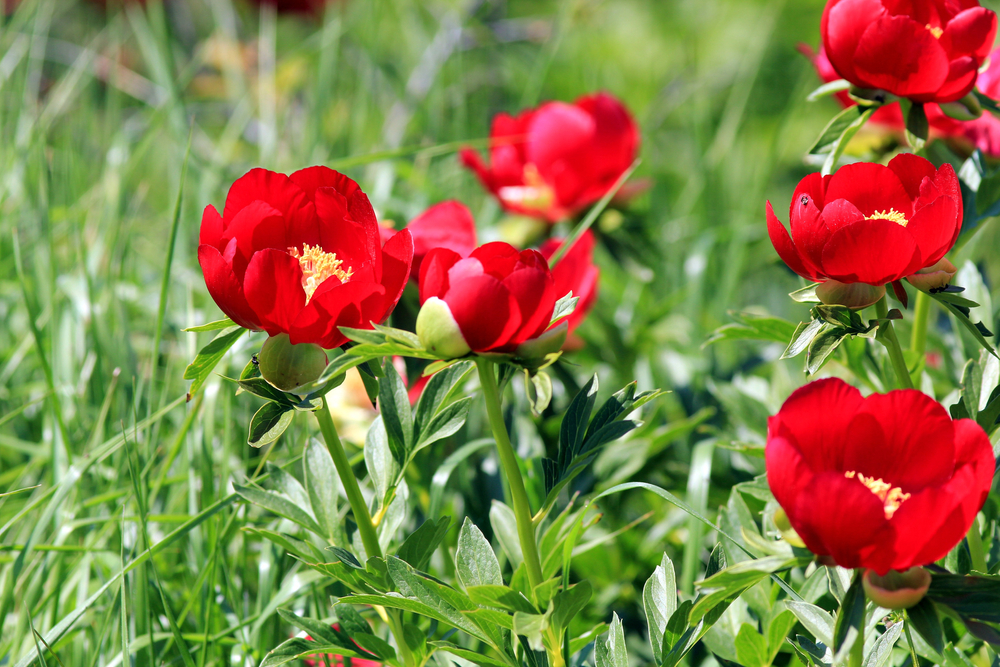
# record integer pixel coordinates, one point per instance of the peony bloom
(555, 160)
(576, 273)
(301, 255)
(448, 224)
(492, 301)
(984, 132)
(870, 223)
(886, 482)
(925, 50)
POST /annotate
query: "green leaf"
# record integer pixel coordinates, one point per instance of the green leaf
(924, 619)
(318, 630)
(295, 649)
(732, 581)
(815, 619)
(394, 406)
(224, 323)
(851, 617)
(564, 307)
(751, 647)
(659, 599)
(882, 648)
(501, 597)
(323, 485)
(441, 389)
(382, 467)
(475, 657)
(838, 146)
(917, 127)
(538, 387)
(279, 504)
(531, 626)
(568, 603)
(751, 326)
(504, 525)
(777, 630)
(612, 653)
(418, 548)
(446, 422)
(801, 338)
(828, 88)
(475, 561)
(209, 357)
(400, 336)
(806, 294)
(268, 423)
(975, 598)
(822, 346)
(831, 134)
(258, 386)
(347, 558)
(978, 331)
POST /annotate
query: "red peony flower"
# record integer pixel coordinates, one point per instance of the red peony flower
(925, 50)
(984, 132)
(448, 224)
(869, 223)
(301, 255)
(555, 160)
(886, 482)
(497, 298)
(575, 272)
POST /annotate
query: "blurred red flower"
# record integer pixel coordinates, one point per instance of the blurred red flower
(982, 133)
(925, 50)
(575, 272)
(309, 7)
(555, 160)
(870, 223)
(886, 482)
(301, 255)
(448, 224)
(499, 297)
(338, 660)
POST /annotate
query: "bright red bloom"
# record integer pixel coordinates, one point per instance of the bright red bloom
(555, 160)
(984, 132)
(886, 482)
(576, 273)
(301, 255)
(869, 223)
(498, 296)
(925, 50)
(448, 224)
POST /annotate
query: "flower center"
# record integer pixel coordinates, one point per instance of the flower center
(937, 32)
(317, 266)
(535, 193)
(891, 214)
(892, 497)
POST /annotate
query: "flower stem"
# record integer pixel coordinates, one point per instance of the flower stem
(508, 460)
(362, 516)
(891, 343)
(918, 337)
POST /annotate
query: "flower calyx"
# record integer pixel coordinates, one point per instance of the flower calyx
(897, 590)
(289, 367)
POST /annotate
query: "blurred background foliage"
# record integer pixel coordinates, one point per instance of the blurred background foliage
(99, 452)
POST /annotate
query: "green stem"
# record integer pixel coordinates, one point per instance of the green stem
(508, 460)
(369, 537)
(891, 343)
(857, 656)
(362, 516)
(976, 547)
(918, 337)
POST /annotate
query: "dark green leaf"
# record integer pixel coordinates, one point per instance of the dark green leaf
(924, 619)
(224, 323)
(318, 630)
(209, 357)
(801, 338)
(822, 346)
(851, 616)
(831, 134)
(347, 558)
(976, 329)
(440, 390)
(261, 387)
(567, 604)
(268, 423)
(838, 146)
(418, 548)
(394, 406)
(446, 422)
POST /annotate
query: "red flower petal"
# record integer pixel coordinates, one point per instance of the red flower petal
(970, 32)
(872, 251)
(448, 224)
(911, 170)
(225, 288)
(485, 311)
(350, 304)
(273, 288)
(871, 187)
(809, 405)
(434, 273)
(535, 293)
(397, 255)
(842, 25)
(788, 474)
(934, 229)
(786, 249)
(211, 228)
(962, 74)
(897, 54)
(257, 226)
(263, 185)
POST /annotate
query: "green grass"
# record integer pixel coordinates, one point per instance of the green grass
(120, 536)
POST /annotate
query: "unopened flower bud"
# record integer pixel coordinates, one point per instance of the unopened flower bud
(851, 295)
(438, 331)
(935, 276)
(549, 342)
(897, 590)
(289, 367)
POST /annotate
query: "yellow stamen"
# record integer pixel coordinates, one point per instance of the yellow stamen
(891, 214)
(317, 266)
(892, 497)
(535, 193)
(937, 32)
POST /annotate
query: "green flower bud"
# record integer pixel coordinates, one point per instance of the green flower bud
(897, 590)
(288, 367)
(852, 295)
(550, 341)
(438, 331)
